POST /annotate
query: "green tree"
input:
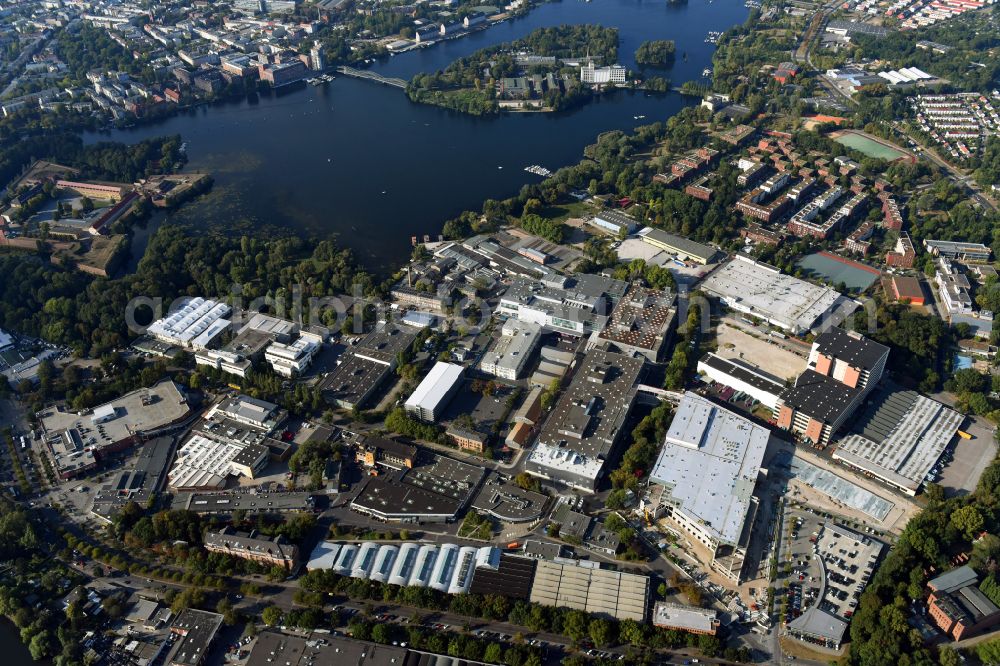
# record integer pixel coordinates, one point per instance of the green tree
(968, 520)
(271, 616)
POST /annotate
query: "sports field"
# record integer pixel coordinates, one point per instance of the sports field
(869, 147)
(834, 269)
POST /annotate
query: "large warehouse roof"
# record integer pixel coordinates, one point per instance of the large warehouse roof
(602, 591)
(709, 464)
(433, 390)
(763, 291)
(899, 438)
(195, 322)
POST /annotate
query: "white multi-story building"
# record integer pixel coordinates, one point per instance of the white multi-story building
(612, 74)
(577, 305)
(435, 391)
(292, 359)
(509, 355)
(317, 58)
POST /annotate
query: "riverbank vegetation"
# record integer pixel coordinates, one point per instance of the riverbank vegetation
(531, 71)
(656, 53)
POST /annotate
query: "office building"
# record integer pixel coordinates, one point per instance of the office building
(709, 467)
(272, 551)
(283, 73)
(903, 254)
(742, 377)
(958, 607)
(966, 253)
(508, 356)
(953, 288)
(612, 74)
(238, 355)
(587, 422)
(293, 359)
(843, 368)
(317, 57)
(373, 451)
(434, 393)
(575, 306)
(260, 414)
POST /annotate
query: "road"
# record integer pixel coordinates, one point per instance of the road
(964, 181)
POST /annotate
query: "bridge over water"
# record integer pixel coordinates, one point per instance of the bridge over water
(372, 76)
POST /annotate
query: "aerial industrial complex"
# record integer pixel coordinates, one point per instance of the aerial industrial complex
(709, 467)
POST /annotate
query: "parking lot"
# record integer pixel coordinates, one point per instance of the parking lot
(823, 563)
(798, 567)
(849, 560)
(967, 458)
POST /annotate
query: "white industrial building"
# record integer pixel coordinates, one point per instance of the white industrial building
(293, 359)
(709, 466)
(577, 305)
(435, 391)
(205, 462)
(446, 568)
(194, 325)
(585, 586)
(509, 355)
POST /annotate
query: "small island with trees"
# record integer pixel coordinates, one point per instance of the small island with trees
(656, 53)
(539, 73)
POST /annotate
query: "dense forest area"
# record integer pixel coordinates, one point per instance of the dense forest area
(89, 314)
(655, 53)
(468, 84)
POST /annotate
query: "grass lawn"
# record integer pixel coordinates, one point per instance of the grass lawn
(564, 211)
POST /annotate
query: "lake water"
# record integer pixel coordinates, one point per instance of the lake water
(15, 653)
(359, 160)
